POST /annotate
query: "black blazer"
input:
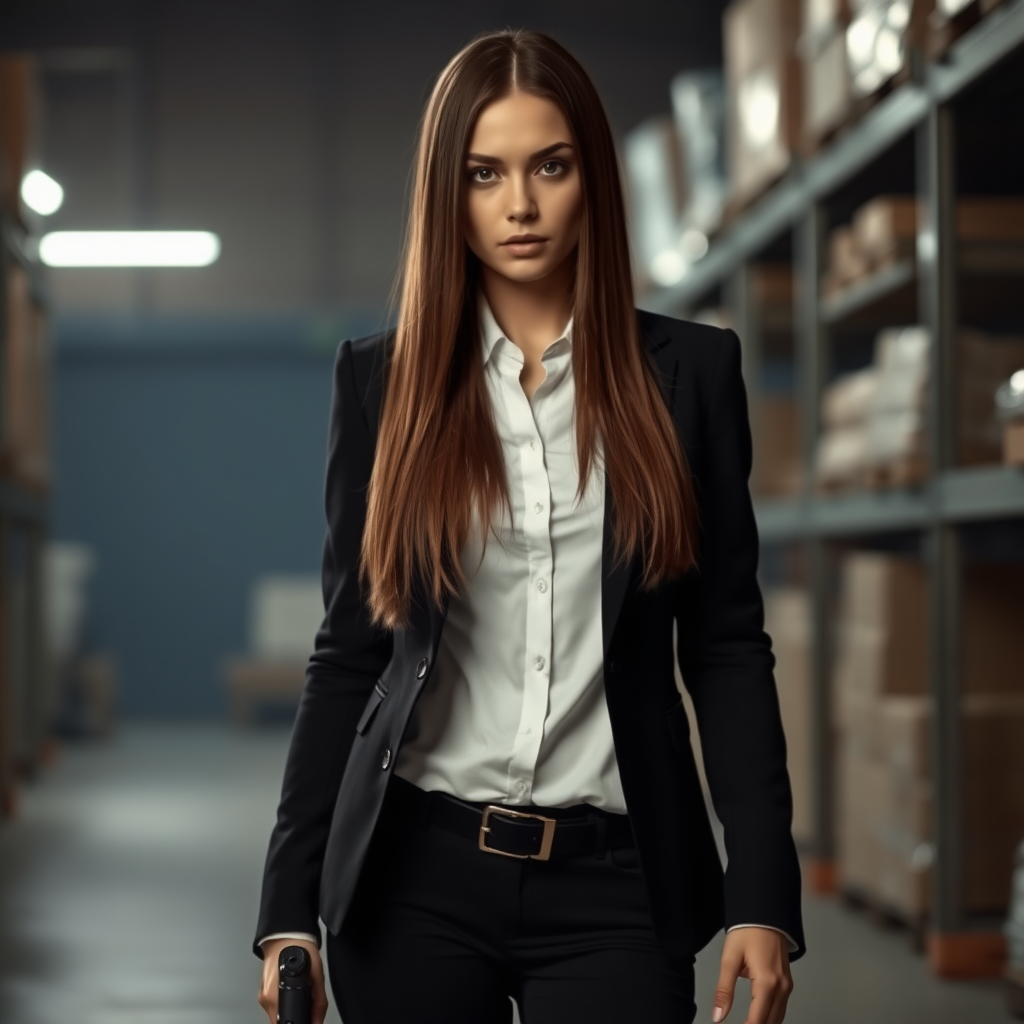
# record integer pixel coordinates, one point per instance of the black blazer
(362, 682)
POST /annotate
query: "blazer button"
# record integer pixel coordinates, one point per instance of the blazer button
(613, 666)
(386, 759)
(421, 668)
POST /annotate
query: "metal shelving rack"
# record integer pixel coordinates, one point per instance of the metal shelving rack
(923, 112)
(24, 519)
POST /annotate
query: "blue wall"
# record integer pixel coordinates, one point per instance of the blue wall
(192, 464)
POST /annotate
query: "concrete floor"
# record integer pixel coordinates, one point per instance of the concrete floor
(129, 882)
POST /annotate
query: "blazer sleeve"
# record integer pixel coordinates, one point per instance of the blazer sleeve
(349, 656)
(726, 660)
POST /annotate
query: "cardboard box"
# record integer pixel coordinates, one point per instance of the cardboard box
(993, 725)
(884, 591)
(24, 431)
(777, 464)
(828, 97)
(884, 831)
(882, 631)
(886, 227)
(861, 784)
(846, 262)
(820, 21)
(874, 660)
(1013, 442)
(19, 126)
(841, 454)
(848, 399)
(762, 93)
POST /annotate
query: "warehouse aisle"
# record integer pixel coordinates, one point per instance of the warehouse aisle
(129, 880)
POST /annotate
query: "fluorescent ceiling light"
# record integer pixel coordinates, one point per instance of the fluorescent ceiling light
(41, 193)
(129, 248)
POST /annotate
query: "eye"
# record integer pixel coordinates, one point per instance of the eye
(482, 174)
(551, 168)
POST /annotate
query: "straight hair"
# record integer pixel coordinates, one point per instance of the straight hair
(438, 456)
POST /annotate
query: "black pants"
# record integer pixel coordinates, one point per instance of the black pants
(442, 933)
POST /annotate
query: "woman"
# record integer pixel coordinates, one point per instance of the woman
(490, 790)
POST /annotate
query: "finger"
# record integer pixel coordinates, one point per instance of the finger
(320, 1003)
(764, 991)
(727, 975)
(269, 1004)
(781, 1001)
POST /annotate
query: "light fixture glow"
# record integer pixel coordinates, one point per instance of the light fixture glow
(1017, 383)
(41, 193)
(129, 248)
(668, 268)
(694, 244)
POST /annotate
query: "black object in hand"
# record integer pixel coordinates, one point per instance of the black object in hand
(295, 992)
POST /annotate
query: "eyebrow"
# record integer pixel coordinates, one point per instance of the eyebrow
(547, 151)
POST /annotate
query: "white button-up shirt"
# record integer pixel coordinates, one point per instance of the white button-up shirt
(515, 710)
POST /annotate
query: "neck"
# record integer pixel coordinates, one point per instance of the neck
(531, 314)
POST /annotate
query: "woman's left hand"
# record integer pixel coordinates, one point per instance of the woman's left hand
(762, 955)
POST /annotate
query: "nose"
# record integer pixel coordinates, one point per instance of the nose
(522, 206)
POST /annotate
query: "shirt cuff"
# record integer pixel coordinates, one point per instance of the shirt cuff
(305, 936)
(793, 947)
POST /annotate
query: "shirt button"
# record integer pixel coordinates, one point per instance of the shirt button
(538, 663)
(533, 444)
(520, 786)
(538, 507)
(542, 586)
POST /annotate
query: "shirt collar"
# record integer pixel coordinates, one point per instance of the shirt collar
(491, 333)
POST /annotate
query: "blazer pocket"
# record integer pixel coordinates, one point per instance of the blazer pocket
(370, 711)
(678, 726)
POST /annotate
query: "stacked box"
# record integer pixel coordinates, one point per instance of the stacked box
(24, 440)
(826, 76)
(777, 467)
(876, 419)
(885, 228)
(1013, 442)
(880, 38)
(19, 120)
(883, 715)
(788, 623)
(762, 93)
(842, 448)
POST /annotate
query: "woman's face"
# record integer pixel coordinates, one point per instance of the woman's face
(523, 178)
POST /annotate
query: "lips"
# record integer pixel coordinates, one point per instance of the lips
(521, 239)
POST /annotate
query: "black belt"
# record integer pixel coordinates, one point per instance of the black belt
(514, 833)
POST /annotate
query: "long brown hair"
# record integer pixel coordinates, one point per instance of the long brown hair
(438, 453)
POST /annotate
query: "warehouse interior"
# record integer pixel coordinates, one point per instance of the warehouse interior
(838, 181)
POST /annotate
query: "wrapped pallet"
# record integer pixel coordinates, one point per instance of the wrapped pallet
(883, 715)
(842, 448)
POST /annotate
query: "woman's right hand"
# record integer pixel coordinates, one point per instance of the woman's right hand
(269, 987)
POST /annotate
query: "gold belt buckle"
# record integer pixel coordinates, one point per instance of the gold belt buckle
(545, 840)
